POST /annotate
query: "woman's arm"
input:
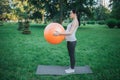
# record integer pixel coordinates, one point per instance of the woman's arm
(74, 25)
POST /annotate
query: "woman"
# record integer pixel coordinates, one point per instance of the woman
(71, 39)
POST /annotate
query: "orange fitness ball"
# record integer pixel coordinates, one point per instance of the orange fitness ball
(49, 33)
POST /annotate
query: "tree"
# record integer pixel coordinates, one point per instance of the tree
(83, 7)
(38, 9)
(58, 9)
(4, 9)
(115, 4)
(101, 13)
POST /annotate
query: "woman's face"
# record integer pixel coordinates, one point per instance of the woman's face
(72, 15)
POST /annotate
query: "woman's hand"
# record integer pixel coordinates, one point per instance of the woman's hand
(56, 33)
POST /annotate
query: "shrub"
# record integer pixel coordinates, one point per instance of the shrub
(118, 23)
(91, 22)
(101, 22)
(111, 23)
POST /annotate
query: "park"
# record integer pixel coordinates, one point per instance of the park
(23, 46)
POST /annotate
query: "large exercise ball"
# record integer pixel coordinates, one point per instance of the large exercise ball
(49, 33)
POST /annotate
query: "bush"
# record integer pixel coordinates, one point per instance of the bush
(111, 23)
(101, 22)
(91, 22)
(118, 23)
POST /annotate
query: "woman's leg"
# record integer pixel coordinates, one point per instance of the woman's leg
(71, 51)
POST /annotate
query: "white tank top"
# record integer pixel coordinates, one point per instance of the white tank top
(71, 37)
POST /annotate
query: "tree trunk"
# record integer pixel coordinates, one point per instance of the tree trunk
(61, 12)
(43, 18)
(26, 27)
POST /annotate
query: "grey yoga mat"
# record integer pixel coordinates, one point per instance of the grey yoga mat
(60, 70)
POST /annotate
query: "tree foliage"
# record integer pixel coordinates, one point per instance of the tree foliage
(4, 8)
(115, 9)
(58, 9)
(101, 13)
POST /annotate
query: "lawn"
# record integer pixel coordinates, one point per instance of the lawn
(97, 46)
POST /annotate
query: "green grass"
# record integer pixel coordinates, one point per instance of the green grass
(97, 46)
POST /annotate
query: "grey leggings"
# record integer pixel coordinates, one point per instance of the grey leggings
(71, 51)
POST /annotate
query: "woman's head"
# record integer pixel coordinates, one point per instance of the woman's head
(73, 14)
